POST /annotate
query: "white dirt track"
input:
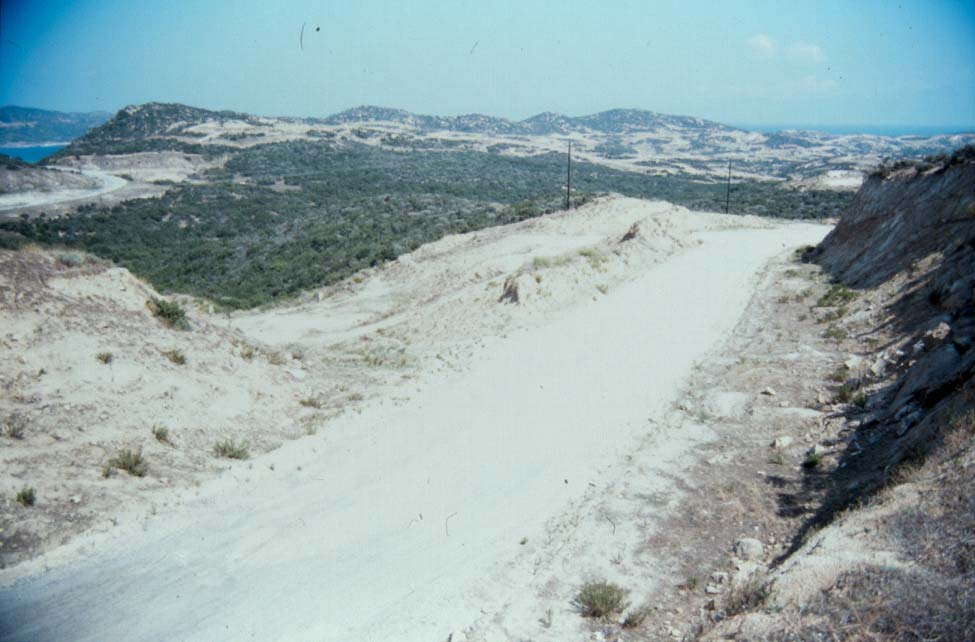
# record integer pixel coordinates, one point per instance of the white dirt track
(20, 200)
(406, 521)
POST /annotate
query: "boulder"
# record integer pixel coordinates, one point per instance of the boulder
(782, 442)
(749, 549)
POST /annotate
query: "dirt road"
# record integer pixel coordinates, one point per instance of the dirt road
(20, 200)
(411, 519)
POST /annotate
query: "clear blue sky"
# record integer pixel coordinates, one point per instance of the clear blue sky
(781, 62)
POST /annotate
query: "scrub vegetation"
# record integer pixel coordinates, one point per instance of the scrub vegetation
(280, 218)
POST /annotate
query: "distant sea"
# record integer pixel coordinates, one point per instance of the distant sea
(31, 154)
(876, 130)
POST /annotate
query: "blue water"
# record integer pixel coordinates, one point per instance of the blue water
(877, 130)
(31, 154)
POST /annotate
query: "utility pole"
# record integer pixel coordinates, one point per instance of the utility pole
(568, 178)
(727, 198)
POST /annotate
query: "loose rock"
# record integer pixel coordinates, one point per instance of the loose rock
(782, 442)
(749, 549)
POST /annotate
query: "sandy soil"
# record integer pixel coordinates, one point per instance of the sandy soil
(479, 465)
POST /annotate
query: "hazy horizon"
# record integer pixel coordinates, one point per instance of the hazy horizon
(830, 65)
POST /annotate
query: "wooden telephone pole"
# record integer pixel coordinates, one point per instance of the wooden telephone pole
(568, 178)
(727, 198)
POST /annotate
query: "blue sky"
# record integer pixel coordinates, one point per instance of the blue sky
(809, 63)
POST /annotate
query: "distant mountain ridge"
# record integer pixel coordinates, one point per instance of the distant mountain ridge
(29, 126)
(635, 140)
(613, 121)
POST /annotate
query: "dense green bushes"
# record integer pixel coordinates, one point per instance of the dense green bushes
(342, 208)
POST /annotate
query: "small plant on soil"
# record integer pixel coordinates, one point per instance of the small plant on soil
(748, 596)
(840, 374)
(230, 449)
(836, 333)
(310, 402)
(595, 258)
(845, 393)
(169, 312)
(161, 433)
(813, 460)
(131, 461)
(601, 599)
(837, 295)
(860, 400)
(636, 617)
(247, 352)
(509, 293)
(104, 357)
(541, 262)
(13, 428)
(176, 357)
(75, 259)
(26, 496)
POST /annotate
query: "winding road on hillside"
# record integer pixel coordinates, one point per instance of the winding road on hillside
(400, 522)
(18, 200)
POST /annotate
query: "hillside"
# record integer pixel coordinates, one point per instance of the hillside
(279, 218)
(16, 176)
(885, 549)
(27, 126)
(633, 140)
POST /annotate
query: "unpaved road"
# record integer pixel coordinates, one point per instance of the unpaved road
(387, 525)
(19, 200)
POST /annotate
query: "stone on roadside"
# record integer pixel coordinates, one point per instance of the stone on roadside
(782, 442)
(749, 548)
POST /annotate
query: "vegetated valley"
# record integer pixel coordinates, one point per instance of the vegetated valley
(280, 218)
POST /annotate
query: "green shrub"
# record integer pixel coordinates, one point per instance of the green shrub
(601, 599)
(840, 374)
(813, 460)
(105, 357)
(176, 357)
(231, 449)
(835, 332)
(595, 257)
(838, 294)
(13, 427)
(636, 617)
(26, 496)
(845, 393)
(130, 461)
(747, 596)
(169, 312)
(161, 433)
